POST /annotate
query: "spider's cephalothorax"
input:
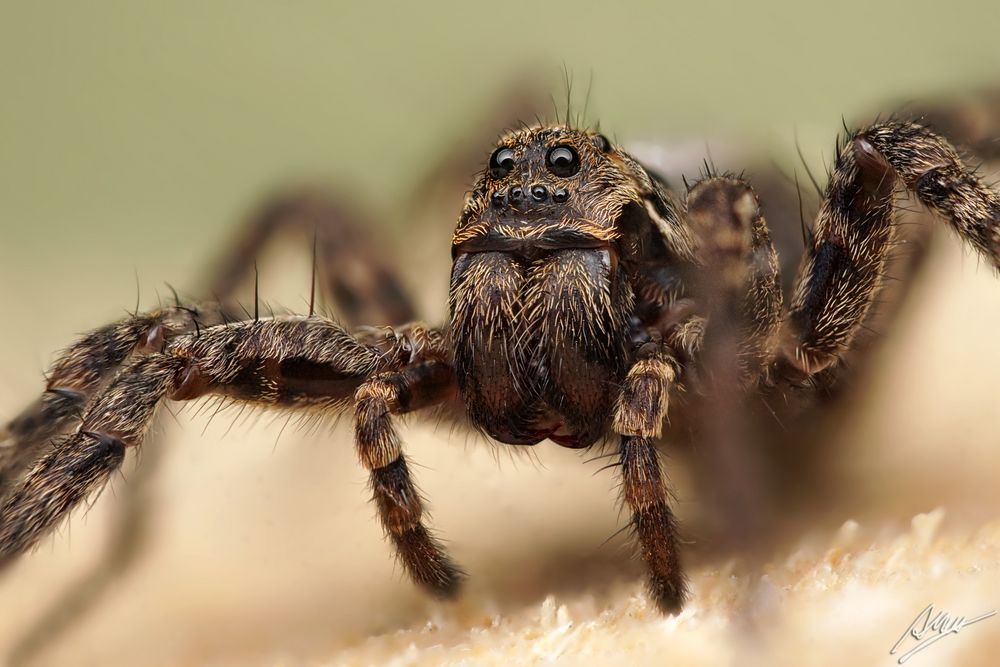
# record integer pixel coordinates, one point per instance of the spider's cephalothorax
(542, 287)
(584, 292)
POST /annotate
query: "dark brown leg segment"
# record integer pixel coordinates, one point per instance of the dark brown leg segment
(79, 373)
(304, 363)
(129, 533)
(843, 267)
(400, 507)
(81, 462)
(932, 169)
(653, 523)
(639, 417)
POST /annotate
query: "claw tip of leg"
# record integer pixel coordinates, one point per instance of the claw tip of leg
(668, 596)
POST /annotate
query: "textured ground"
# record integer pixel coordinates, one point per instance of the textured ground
(854, 595)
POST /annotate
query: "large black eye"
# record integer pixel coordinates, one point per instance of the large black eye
(563, 161)
(501, 162)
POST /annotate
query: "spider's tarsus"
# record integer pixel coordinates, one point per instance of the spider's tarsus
(668, 594)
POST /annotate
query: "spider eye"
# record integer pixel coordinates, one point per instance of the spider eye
(501, 162)
(563, 161)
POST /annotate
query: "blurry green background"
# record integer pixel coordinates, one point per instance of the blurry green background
(134, 137)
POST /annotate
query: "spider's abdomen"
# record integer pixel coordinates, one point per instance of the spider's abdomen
(540, 343)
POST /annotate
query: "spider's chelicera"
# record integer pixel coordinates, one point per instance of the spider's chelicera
(584, 293)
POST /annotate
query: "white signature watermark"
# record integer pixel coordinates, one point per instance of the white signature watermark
(930, 626)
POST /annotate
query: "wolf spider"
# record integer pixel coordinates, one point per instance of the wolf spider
(586, 294)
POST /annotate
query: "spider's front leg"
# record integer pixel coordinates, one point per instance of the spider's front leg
(400, 507)
(289, 362)
(841, 272)
(638, 418)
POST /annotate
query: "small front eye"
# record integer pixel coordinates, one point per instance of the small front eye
(501, 162)
(563, 161)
